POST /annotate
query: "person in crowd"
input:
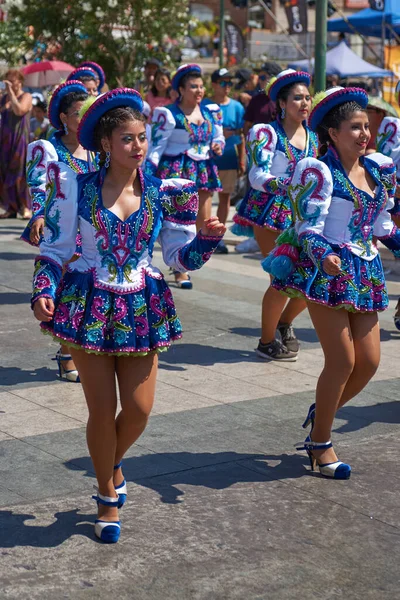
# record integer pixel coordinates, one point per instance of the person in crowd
(186, 138)
(39, 122)
(261, 108)
(15, 108)
(232, 162)
(159, 94)
(246, 86)
(112, 306)
(100, 76)
(216, 40)
(330, 260)
(273, 152)
(89, 77)
(385, 132)
(64, 147)
(151, 66)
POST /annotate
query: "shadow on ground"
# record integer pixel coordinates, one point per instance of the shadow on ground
(359, 417)
(304, 335)
(15, 298)
(198, 354)
(14, 375)
(218, 471)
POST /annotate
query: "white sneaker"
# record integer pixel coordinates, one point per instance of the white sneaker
(249, 246)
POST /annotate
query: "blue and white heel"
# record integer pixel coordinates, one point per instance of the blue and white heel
(68, 375)
(310, 419)
(334, 470)
(121, 488)
(107, 531)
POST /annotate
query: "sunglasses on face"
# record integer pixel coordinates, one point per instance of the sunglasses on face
(225, 84)
(262, 77)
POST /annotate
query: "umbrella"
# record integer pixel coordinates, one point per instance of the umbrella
(382, 105)
(47, 72)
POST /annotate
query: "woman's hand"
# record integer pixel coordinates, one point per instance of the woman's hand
(213, 227)
(43, 309)
(216, 148)
(36, 231)
(8, 85)
(332, 265)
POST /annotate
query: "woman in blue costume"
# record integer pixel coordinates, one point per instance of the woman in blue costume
(273, 151)
(63, 146)
(186, 136)
(99, 72)
(112, 306)
(341, 203)
(89, 77)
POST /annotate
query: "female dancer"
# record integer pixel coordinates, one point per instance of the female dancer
(112, 306)
(15, 107)
(99, 73)
(89, 77)
(388, 142)
(341, 201)
(159, 94)
(64, 146)
(273, 151)
(185, 138)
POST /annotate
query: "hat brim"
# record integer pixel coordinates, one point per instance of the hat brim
(177, 78)
(63, 90)
(289, 79)
(335, 99)
(98, 70)
(121, 97)
(81, 72)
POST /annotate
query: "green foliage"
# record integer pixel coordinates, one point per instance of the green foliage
(118, 34)
(13, 41)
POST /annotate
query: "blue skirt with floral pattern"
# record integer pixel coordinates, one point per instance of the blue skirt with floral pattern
(359, 288)
(105, 322)
(204, 173)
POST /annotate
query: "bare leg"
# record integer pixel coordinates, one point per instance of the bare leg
(97, 375)
(273, 308)
(223, 207)
(334, 333)
(137, 383)
(366, 340)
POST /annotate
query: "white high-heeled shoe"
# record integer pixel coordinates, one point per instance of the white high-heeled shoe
(68, 375)
(107, 531)
(334, 470)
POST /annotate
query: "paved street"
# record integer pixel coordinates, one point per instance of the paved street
(220, 505)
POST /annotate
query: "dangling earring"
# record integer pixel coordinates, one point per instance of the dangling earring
(107, 163)
(65, 129)
(283, 113)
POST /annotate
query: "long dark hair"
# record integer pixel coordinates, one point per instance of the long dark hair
(333, 119)
(161, 71)
(70, 99)
(111, 120)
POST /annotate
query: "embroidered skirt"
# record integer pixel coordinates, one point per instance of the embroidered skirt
(204, 173)
(265, 210)
(360, 288)
(104, 322)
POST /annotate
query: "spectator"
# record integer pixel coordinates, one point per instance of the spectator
(159, 94)
(15, 107)
(232, 162)
(246, 86)
(39, 122)
(151, 66)
(261, 109)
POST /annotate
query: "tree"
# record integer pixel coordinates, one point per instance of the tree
(13, 41)
(119, 34)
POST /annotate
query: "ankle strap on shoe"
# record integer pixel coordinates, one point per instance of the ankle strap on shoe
(106, 500)
(118, 466)
(310, 445)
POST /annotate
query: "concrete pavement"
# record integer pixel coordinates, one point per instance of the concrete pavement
(220, 505)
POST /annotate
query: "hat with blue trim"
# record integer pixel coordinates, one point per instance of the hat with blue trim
(324, 102)
(182, 71)
(63, 90)
(118, 98)
(98, 70)
(284, 78)
(82, 72)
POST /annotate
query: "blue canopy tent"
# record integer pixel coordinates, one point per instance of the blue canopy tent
(374, 23)
(342, 61)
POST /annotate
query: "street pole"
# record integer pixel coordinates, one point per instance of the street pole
(321, 12)
(221, 32)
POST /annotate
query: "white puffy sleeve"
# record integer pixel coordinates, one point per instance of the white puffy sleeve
(182, 248)
(162, 125)
(39, 155)
(260, 147)
(388, 141)
(218, 131)
(61, 225)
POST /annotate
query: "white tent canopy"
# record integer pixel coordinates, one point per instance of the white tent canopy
(342, 61)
